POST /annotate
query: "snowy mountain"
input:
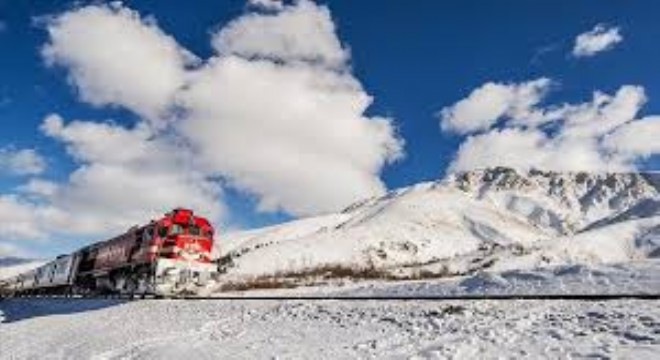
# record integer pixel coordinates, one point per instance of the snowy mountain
(494, 218)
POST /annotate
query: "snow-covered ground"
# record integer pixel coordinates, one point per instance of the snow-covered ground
(630, 278)
(332, 329)
(261, 329)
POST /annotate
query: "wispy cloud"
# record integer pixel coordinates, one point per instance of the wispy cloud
(600, 38)
(21, 162)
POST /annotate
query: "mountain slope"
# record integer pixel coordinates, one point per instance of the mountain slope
(467, 222)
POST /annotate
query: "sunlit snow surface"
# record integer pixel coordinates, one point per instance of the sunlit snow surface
(262, 329)
(331, 329)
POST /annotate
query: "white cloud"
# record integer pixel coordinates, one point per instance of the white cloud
(18, 218)
(603, 114)
(276, 111)
(599, 135)
(492, 102)
(294, 134)
(39, 188)
(125, 175)
(636, 139)
(301, 32)
(21, 162)
(600, 38)
(114, 57)
(267, 4)
(9, 249)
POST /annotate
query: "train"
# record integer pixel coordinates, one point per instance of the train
(168, 256)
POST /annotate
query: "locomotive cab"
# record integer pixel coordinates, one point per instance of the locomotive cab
(183, 236)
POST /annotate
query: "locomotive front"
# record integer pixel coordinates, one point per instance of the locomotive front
(182, 253)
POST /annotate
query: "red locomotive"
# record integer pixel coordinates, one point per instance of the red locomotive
(168, 256)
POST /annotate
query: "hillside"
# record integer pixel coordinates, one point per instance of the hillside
(496, 219)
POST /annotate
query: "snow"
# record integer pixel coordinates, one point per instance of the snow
(262, 329)
(627, 278)
(468, 222)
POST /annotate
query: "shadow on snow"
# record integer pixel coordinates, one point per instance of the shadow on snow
(15, 309)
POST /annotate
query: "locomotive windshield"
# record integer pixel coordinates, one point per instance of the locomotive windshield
(177, 229)
(194, 230)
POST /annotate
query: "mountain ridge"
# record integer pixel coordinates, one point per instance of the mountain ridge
(488, 217)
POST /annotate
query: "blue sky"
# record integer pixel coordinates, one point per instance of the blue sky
(414, 61)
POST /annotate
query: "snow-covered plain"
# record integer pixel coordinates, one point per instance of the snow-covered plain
(261, 329)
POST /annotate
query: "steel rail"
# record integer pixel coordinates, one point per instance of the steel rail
(568, 297)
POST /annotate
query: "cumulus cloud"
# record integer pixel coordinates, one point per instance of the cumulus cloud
(10, 249)
(301, 32)
(491, 102)
(21, 162)
(600, 38)
(603, 134)
(115, 57)
(275, 112)
(294, 134)
(39, 188)
(126, 174)
(638, 138)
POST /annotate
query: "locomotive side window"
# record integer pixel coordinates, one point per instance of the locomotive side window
(148, 234)
(162, 231)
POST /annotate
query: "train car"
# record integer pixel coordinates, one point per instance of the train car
(168, 256)
(57, 273)
(49, 278)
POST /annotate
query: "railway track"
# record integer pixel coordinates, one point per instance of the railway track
(565, 297)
